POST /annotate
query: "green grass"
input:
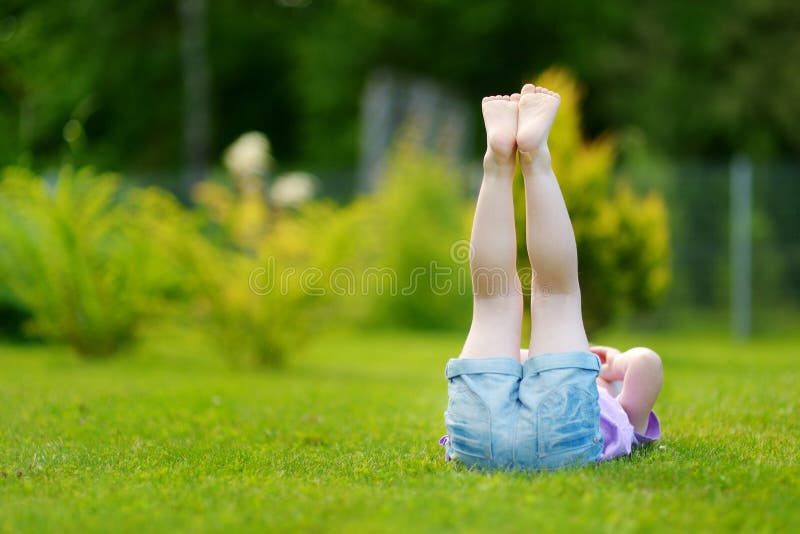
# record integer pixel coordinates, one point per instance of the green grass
(167, 438)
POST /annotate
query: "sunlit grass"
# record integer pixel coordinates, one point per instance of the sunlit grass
(166, 437)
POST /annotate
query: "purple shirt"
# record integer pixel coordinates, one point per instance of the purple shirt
(617, 429)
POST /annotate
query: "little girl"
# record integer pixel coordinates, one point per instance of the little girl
(561, 402)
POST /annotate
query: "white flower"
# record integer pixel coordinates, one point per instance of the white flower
(248, 156)
(293, 189)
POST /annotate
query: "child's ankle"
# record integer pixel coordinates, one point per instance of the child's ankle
(538, 158)
(496, 165)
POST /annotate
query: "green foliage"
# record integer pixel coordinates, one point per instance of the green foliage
(90, 261)
(269, 287)
(87, 259)
(67, 257)
(269, 60)
(623, 239)
(419, 220)
(255, 329)
(106, 81)
(261, 305)
(383, 259)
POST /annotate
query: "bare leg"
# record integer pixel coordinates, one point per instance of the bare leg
(556, 321)
(497, 307)
(641, 373)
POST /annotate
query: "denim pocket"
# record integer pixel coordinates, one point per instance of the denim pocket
(468, 423)
(569, 424)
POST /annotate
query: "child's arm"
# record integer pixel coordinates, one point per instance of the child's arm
(641, 373)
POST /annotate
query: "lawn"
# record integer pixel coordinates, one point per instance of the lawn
(166, 437)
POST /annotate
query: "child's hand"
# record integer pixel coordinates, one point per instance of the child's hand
(607, 356)
(604, 352)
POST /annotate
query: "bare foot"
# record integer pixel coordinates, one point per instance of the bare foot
(500, 117)
(537, 109)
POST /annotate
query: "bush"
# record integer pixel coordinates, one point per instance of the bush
(273, 288)
(253, 329)
(623, 240)
(420, 218)
(370, 262)
(86, 261)
(70, 257)
(89, 260)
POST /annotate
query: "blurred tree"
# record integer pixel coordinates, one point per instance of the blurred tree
(700, 78)
(95, 80)
(90, 81)
(196, 109)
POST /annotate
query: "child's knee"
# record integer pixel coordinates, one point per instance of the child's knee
(645, 360)
(646, 355)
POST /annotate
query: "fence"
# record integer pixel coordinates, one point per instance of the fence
(720, 262)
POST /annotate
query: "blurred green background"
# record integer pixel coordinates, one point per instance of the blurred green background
(365, 134)
(233, 257)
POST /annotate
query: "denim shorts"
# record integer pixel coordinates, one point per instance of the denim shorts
(542, 415)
